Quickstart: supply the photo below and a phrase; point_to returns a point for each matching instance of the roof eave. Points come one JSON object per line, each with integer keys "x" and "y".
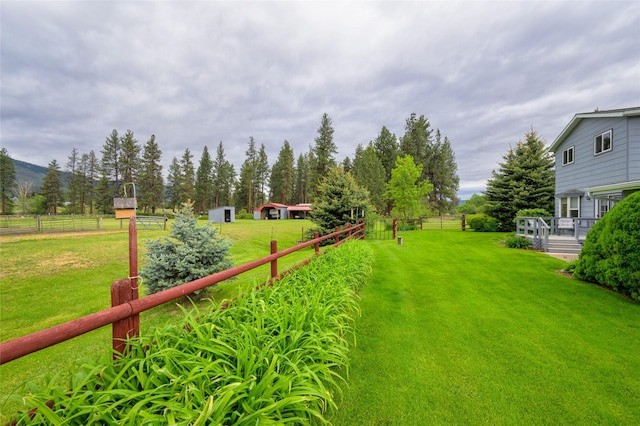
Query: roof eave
{"x": 579, "y": 117}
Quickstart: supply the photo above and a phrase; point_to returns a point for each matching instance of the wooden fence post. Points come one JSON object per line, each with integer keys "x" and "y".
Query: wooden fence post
{"x": 121, "y": 292}
{"x": 274, "y": 262}
{"x": 316, "y": 246}
{"x": 337, "y": 236}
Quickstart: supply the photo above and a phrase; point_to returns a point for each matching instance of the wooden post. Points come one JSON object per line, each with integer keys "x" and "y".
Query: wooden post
{"x": 316, "y": 246}
{"x": 463, "y": 222}
{"x": 395, "y": 228}
{"x": 133, "y": 272}
{"x": 120, "y": 293}
{"x": 274, "y": 262}
{"x": 337, "y": 236}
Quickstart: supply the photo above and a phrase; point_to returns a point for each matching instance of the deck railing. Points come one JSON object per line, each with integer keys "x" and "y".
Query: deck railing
{"x": 538, "y": 229}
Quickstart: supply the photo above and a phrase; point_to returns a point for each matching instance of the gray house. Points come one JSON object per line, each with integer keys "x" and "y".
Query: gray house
{"x": 222, "y": 214}
{"x": 597, "y": 162}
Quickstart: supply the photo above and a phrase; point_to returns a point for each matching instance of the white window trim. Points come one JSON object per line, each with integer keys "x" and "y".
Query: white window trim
{"x": 565, "y": 154}
{"x": 601, "y": 136}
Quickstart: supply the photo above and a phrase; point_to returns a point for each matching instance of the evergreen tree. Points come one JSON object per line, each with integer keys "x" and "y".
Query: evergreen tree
{"x": 387, "y": 149}
{"x": 417, "y": 141}
{"x": 129, "y": 159}
{"x": 339, "y": 201}
{"x": 347, "y": 165}
{"x": 368, "y": 173}
{"x": 223, "y": 179}
{"x": 204, "y": 182}
{"x": 248, "y": 186}
{"x": 7, "y": 181}
{"x": 111, "y": 162}
{"x": 189, "y": 252}
{"x": 525, "y": 180}
{"x": 406, "y": 188}
{"x": 301, "y": 182}
{"x": 75, "y": 182}
{"x": 282, "y": 176}
{"x": 443, "y": 175}
{"x": 188, "y": 177}
{"x": 91, "y": 177}
{"x": 104, "y": 196}
{"x": 321, "y": 155}
{"x": 151, "y": 184}
{"x": 52, "y": 187}
{"x": 175, "y": 184}
{"x": 262, "y": 175}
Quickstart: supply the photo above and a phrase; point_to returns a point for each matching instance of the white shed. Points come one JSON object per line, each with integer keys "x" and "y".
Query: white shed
{"x": 222, "y": 214}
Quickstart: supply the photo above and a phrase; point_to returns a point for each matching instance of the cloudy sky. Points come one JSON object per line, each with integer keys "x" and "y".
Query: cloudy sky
{"x": 195, "y": 73}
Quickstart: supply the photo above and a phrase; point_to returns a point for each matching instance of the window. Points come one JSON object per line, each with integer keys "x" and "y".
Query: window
{"x": 570, "y": 207}
{"x": 602, "y": 142}
{"x": 603, "y": 206}
{"x": 567, "y": 156}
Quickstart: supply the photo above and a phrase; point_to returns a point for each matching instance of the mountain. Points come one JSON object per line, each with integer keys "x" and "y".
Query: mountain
{"x": 27, "y": 172}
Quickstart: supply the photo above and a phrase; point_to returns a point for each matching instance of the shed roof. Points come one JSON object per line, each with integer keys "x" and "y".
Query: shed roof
{"x": 271, "y": 205}
{"x": 304, "y": 208}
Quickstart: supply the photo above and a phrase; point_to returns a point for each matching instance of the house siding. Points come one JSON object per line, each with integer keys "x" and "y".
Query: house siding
{"x": 634, "y": 148}
{"x": 620, "y": 164}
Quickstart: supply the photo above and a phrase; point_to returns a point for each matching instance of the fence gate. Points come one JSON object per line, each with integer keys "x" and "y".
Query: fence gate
{"x": 379, "y": 229}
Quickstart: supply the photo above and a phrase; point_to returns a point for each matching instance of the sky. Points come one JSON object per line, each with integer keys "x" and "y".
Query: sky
{"x": 196, "y": 73}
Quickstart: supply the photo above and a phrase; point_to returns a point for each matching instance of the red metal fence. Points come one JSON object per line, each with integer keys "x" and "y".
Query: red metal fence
{"x": 126, "y": 307}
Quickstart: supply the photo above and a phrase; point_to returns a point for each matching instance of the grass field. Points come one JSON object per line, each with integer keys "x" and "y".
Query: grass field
{"x": 47, "y": 279}
{"x": 457, "y": 329}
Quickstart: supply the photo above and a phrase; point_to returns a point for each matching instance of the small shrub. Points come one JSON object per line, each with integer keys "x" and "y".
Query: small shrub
{"x": 571, "y": 266}
{"x": 517, "y": 242}
{"x": 611, "y": 253}
{"x": 242, "y": 214}
{"x": 188, "y": 253}
{"x": 483, "y": 223}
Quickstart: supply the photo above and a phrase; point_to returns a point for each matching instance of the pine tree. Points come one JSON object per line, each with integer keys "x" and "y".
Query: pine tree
{"x": 223, "y": 179}
{"x": 75, "y": 183}
{"x": 321, "y": 157}
{"x": 7, "y": 181}
{"x": 129, "y": 159}
{"x": 175, "y": 193}
{"x": 111, "y": 163}
{"x": 204, "y": 182}
{"x": 262, "y": 175}
{"x": 93, "y": 169}
{"x": 525, "y": 180}
{"x": 417, "y": 141}
{"x": 443, "y": 175}
{"x": 301, "y": 182}
{"x": 151, "y": 184}
{"x": 248, "y": 186}
{"x": 189, "y": 252}
{"x": 339, "y": 201}
{"x": 52, "y": 187}
{"x": 188, "y": 177}
{"x": 282, "y": 176}
{"x": 387, "y": 149}
{"x": 368, "y": 173}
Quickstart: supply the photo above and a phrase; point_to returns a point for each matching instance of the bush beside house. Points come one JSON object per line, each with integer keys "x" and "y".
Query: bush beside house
{"x": 611, "y": 252}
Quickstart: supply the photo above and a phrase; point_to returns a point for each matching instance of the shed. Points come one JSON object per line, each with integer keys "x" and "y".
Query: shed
{"x": 271, "y": 211}
{"x": 299, "y": 211}
{"x": 222, "y": 214}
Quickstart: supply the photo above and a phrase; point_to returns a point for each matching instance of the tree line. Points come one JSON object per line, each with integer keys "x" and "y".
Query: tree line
{"x": 95, "y": 179}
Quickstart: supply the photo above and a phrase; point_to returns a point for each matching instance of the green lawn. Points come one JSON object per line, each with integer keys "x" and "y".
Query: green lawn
{"x": 456, "y": 329}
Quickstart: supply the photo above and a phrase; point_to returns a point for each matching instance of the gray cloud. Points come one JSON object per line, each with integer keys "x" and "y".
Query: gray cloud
{"x": 196, "y": 73}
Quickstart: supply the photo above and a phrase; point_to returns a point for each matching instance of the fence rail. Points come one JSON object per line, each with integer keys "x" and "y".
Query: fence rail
{"x": 125, "y": 311}
{"x": 12, "y": 225}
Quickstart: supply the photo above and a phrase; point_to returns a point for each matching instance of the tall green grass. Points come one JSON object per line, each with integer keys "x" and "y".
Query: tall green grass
{"x": 458, "y": 329}
{"x": 272, "y": 357}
